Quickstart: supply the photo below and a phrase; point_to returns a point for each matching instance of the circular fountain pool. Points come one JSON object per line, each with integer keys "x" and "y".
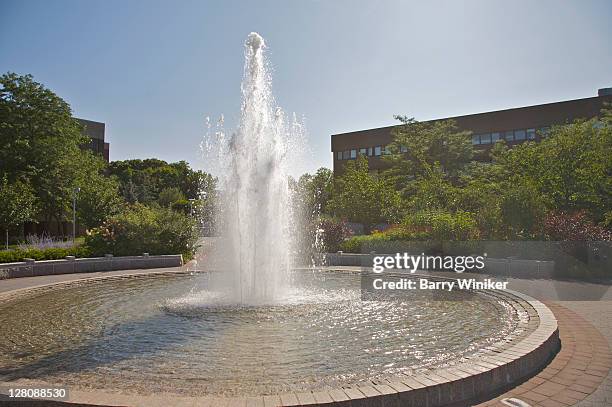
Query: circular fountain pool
{"x": 150, "y": 335}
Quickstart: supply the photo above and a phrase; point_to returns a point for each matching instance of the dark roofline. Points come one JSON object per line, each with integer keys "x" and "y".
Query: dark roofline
{"x": 470, "y": 115}
{"x": 89, "y": 121}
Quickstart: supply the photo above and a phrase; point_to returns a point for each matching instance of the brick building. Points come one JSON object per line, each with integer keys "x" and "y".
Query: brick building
{"x": 513, "y": 125}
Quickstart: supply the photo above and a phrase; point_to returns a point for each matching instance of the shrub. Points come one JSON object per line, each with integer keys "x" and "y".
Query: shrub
{"x": 390, "y": 240}
{"x": 353, "y": 245}
{"x": 334, "y": 233}
{"x": 53, "y": 253}
{"x": 44, "y": 242}
{"x": 423, "y": 231}
{"x": 141, "y": 229}
{"x": 441, "y": 225}
{"x": 574, "y": 227}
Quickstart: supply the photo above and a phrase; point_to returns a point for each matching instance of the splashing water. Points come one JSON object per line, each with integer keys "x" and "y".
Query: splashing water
{"x": 253, "y": 165}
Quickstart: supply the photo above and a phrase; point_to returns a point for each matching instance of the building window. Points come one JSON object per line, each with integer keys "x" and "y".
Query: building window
{"x": 346, "y": 155}
{"x": 485, "y": 138}
{"x": 495, "y": 137}
{"x": 475, "y": 139}
{"x": 339, "y": 155}
{"x": 363, "y": 151}
{"x": 530, "y": 134}
{"x": 370, "y": 151}
{"x": 353, "y": 154}
{"x": 544, "y": 131}
{"x": 377, "y": 150}
{"x": 509, "y": 135}
{"x": 519, "y": 134}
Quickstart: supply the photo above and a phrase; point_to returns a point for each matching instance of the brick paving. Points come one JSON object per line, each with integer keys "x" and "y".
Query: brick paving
{"x": 599, "y": 313}
{"x": 580, "y": 373}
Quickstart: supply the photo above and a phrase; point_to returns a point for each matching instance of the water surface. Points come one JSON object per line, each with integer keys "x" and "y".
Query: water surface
{"x": 170, "y": 334}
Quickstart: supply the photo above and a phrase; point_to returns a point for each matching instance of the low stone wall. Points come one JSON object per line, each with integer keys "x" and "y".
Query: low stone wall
{"x": 504, "y": 267}
{"x": 30, "y": 268}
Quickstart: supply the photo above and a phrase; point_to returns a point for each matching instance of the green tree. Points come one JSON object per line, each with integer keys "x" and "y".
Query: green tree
{"x": 170, "y": 196}
{"x": 39, "y": 142}
{"x": 418, "y": 147}
{"x": 366, "y": 198}
{"x": 571, "y": 168}
{"x": 522, "y": 211}
{"x": 312, "y": 193}
{"x": 479, "y": 191}
{"x": 431, "y": 190}
{"x": 98, "y": 200}
{"x": 143, "y": 180}
{"x": 16, "y": 206}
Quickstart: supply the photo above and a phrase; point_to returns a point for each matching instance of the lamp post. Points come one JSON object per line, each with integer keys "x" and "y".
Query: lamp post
{"x": 74, "y": 197}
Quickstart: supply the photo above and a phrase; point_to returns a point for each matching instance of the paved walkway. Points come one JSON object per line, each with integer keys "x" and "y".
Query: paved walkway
{"x": 578, "y": 375}
{"x": 598, "y": 313}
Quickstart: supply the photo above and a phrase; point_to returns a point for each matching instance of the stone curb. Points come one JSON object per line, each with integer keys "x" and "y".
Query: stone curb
{"x": 71, "y": 265}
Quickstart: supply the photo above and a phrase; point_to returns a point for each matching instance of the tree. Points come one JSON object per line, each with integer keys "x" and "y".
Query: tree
{"x": 169, "y": 196}
{"x": 39, "y": 142}
{"x": 417, "y": 147}
{"x": 143, "y": 180}
{"x": 430, "y": 191}
{"x": 98, "y": 200}
{"x": 363, "y": 197}
{"x": 16, "y": 206}
{"x": 522, "y": 211}
{"x": 312, "y": 193}
{"x": 571, "y": 168}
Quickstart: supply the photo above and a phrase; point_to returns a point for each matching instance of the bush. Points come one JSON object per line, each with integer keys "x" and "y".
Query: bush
{"x": 141, "y": 229}
{"x": 44, "y": 242}
{"x": 334, "y": 233}
{"x": 574, "y": 227}
{"x": 53, "y": 253}
{"x": 441, "y": 225}
{"x": 353, "y": 245}
{"x": 425, "y": 231}
{"x": 391, "y": 240}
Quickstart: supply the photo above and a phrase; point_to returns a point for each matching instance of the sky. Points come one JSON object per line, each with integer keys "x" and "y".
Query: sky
{"x": 153, "y": 70}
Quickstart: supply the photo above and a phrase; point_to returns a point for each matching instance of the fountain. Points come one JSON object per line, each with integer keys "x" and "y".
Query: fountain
{"x": 255, "y": 192}
{"x": 243, "y": 329}
{"x": 252, "y": 166}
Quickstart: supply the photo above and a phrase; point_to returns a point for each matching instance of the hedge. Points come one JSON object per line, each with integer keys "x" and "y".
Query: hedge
{"x": 53, "y": 253}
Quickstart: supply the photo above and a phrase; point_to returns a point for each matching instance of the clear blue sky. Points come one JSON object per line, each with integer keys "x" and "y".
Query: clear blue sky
{"x": 152, "y": 70}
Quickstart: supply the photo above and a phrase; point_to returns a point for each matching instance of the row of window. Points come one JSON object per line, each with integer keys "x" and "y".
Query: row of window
{"x": 511, "y": 135}
{"x": 367, "y": 151}
{"x": 477, "y": 139}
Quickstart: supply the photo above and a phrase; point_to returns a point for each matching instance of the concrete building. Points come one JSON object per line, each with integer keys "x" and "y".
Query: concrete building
{"x": 95, "y": 131}
{"x": 513, "y": 125}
